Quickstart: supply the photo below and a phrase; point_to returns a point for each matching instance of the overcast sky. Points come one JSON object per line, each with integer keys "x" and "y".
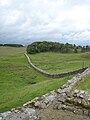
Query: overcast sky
{"x": 25, "y": 21}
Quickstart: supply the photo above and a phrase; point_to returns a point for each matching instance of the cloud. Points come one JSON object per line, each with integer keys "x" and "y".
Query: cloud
{"x": 56, "y": 20}
{"x": 4, "y": 3}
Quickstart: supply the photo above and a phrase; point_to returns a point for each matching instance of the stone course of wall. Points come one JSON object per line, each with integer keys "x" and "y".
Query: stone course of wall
{"x": 54, "y": 75}
{"x": 76, "y": 101}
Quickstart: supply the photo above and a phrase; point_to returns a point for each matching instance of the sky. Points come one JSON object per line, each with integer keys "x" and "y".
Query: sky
{"x": 26, "y": 21}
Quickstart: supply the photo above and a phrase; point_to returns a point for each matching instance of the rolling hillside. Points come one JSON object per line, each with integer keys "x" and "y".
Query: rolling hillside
{"x": 20, "y": 83}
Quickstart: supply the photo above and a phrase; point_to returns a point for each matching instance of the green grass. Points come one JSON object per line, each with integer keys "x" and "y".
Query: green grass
{"x": 58, "y": 63}
{"x": 85, "y": 84}
{"x": 20, "y": 83}
{"x": 5, "y": 51}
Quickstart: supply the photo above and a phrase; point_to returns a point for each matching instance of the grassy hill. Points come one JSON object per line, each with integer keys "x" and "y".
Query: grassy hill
{"x": 20, "y": 83}
{"x": 58, "y": 62}
{"x": 8, "y": 51}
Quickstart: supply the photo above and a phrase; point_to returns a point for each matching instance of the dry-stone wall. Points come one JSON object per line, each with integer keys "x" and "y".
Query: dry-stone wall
{"x": 63, "y": 98}
{"x": 55, "y": 75}
{"x": 77, "y": 101}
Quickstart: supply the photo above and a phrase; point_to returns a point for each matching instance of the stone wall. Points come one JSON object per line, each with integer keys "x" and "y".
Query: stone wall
{"x": 78, "y": 102}
{"x": 80, "y": 98}
{"x": 57, "y": 75}
{"x": 63, "y": 98}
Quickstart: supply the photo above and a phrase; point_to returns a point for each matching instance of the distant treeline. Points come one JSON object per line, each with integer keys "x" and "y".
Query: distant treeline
{"x": 45, "y": 46}
{"x": 12, "y": 45}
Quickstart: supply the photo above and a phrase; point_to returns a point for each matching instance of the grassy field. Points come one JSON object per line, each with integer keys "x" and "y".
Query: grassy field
{"x": 85, "y": 84}
{"x": 5, "y": 51}
{"x": 20, "y": 83}
{"x": 58, "y": 63}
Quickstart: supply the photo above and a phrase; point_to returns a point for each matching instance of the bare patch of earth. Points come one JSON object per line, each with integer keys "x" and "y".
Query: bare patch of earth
{"x": 54, "y": 114}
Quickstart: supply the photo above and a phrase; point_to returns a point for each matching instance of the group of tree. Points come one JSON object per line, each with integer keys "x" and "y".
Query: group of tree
{"x": 45, "y": 46}
{"x": 12, "y": 45}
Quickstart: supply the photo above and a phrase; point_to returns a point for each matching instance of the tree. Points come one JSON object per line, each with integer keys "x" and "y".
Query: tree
{"x": 45, "y": 46}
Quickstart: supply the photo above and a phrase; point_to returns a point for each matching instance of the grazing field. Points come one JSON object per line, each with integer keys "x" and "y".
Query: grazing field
{"x": 58, "y": 63}
{"x": 19, "y": 82}
{"x": 85, "y": 84}
{"x": 5, "y": 51}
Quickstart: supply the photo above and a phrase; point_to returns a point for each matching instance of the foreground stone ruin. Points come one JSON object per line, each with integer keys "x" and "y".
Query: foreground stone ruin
{"x": 65, "y": 98}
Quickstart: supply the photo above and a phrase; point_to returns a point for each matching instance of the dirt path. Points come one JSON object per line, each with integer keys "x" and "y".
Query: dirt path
{"x": 53, "y": 114}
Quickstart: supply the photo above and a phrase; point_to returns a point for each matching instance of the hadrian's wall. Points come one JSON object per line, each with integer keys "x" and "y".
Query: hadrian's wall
{"x": 55, "y": 75}
{"x": 76, "y": 101}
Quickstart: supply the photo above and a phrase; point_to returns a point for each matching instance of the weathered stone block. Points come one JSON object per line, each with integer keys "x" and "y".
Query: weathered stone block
{"x": 0, "y": 118}
{"x": 5, "y": 114}
{"x": 40, "y": 105}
